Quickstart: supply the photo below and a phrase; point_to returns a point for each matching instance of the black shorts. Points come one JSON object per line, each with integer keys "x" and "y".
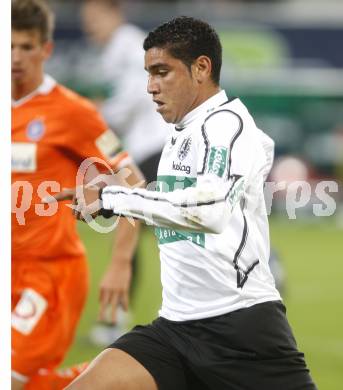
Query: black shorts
{"x": 248, "y": 349}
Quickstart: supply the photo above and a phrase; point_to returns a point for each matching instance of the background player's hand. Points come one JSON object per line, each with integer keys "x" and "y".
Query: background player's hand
{"x": 85, "y": 201}
{"x": 65, "y": 194}
{"x": 114, "y": 290}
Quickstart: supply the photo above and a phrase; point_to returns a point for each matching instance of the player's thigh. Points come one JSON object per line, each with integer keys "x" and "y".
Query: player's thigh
{"x": 46, "y": 305}
{"x": 114, "y": 369}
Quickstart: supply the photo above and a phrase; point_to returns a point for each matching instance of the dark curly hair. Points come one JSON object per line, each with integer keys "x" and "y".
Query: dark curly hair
{"x": 33, "y": 15}
{"x": 186, "y": 39}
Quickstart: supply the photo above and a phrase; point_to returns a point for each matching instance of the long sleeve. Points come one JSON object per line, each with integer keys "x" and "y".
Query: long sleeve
{"x": 205, "y": 207}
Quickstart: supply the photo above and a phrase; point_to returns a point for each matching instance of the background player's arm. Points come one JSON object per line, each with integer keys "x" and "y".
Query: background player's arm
{"x": 94, "y": 140}
{"x": 115, "y": 283}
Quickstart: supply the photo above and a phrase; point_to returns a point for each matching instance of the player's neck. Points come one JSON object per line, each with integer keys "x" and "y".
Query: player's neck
{"x": 209, "y": 92}
{"x": 205, "y": 94}
{"x": 22, "y": 89}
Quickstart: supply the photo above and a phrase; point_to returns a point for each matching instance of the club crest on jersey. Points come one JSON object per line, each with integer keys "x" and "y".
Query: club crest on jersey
{"x": 35, "y": 130}
{"x": 184, "y": 148}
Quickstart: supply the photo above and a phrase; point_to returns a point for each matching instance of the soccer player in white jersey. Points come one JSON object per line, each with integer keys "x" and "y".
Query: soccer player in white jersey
{"x": 222, "y": 325}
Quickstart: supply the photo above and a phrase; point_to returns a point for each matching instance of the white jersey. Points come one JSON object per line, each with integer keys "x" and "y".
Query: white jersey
{"x": 129, "y": 110}
{"x": 210, "y": 211}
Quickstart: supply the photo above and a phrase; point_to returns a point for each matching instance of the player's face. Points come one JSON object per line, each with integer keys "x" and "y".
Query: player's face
{"x": 28, "y": 55}
{"x": 172, "y": 85}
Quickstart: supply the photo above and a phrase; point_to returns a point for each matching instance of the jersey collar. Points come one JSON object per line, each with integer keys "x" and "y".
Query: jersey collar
{"x": 209, "y": 105}
{"x": 45, "y": 88}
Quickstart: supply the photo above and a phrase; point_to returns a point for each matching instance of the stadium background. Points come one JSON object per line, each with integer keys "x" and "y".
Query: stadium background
{"x": 285, "y": 60}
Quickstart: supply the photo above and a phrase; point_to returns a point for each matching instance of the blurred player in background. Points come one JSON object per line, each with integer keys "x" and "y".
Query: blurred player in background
{"x": 53, "y": 131}
{"x": 128, "y": 110}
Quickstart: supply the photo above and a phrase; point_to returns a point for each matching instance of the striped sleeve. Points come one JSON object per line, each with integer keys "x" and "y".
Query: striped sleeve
{"x": 200, "y": 208}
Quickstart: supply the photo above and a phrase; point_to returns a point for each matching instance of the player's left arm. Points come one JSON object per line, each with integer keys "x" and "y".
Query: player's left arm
{"x": 115, "y": 283}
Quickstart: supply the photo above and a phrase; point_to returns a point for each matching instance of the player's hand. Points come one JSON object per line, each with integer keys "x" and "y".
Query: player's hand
{"x": 85, "y": 201}
{"x": 65, "y": 194}
{"x": 114, "y": 290}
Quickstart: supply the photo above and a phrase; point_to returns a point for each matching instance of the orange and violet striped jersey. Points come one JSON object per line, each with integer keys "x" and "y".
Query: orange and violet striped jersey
{"x": 53, "y": 131}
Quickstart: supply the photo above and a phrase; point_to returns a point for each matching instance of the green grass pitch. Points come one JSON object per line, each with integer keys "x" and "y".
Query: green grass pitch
{"x": 312, "y": 254}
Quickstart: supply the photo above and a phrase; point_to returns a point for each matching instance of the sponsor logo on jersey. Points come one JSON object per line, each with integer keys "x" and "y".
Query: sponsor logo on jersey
{"x": 184, "y": 148}
{"x": 165, "y": 235}
{"x": 108, "y": 144}
{"x": 168, "y": 183}
{"x": 236, "y": 192}
{"x": 217, "y": 160}
{"x": 24, "y": 157}
{"x": 28, "y": 311}
{"x": 35, "y": 130}
{"x": 168, "y": 236}
{"x": 181, "y": 168}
